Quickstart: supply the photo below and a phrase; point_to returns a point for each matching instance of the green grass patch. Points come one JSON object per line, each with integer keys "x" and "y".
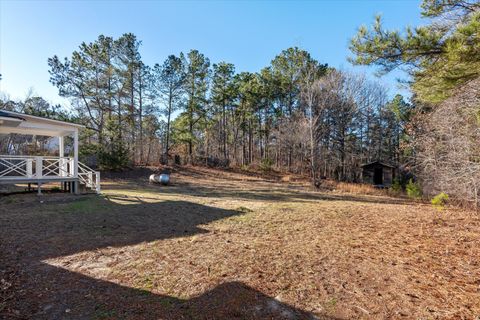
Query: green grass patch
{"x": 93, "y": 204}
{"x": 101, "y": 312}
{"x": 167, "y": 302}
{"x": 9, "y": 200}
{"x": 331, "y": 304}
{"x": 243, "y": 209}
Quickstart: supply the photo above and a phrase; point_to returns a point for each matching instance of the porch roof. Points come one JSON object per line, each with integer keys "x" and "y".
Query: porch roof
{"x": 15, "y": 122}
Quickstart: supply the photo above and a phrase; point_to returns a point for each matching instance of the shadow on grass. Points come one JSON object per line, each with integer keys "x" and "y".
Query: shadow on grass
{"x": 32, "y": 289}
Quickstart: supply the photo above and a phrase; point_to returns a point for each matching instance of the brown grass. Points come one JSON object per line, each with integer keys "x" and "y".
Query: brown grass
{"x": 357, "y": 188}
{"x": 222, "y": 245}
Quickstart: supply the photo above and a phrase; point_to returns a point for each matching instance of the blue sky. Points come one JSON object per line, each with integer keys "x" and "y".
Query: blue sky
{"x": 246, "y": 33}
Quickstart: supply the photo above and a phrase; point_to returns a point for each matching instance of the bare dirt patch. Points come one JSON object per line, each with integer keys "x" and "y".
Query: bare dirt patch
{"x": 223, "y": 245}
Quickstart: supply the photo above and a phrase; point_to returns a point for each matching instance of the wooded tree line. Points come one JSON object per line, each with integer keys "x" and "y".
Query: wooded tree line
{"x": 296, "y": 114}
{"x": 443, "y": 60}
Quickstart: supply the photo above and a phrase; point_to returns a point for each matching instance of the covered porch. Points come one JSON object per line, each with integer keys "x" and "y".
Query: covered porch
{"x": 67, "y": 170}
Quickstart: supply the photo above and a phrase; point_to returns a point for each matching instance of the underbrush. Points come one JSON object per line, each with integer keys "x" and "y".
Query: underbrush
{"x": 358, "y": 188}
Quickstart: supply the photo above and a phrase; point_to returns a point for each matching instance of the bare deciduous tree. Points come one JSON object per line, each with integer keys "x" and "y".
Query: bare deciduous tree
{"x": 447, "y": 149}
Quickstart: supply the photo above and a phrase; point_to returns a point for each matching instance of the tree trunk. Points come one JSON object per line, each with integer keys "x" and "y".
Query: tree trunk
{"x": 169, "y": 113}
{"x": 140, "y": 117}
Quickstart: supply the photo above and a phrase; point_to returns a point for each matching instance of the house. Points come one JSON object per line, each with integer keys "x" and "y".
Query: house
{"x": 378, "y": 173}
{"x": 68, "y": 171}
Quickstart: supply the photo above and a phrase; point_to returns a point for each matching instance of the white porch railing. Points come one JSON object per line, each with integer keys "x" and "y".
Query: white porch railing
{"x": 14, "y": 166}
{"x": 89, "y": 177}
{"x": 40, "y": 167}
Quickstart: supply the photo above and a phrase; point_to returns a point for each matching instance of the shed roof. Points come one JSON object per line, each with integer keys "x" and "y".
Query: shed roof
{"x": 377, "y": 163}
{"x": 15, "y": 122}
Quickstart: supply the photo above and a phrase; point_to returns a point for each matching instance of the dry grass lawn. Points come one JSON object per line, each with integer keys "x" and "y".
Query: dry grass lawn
{"x": 217, "y": 245}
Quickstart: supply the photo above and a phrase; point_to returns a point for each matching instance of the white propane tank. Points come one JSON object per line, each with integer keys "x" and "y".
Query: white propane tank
{"x": 152, "y": 178}
{"x": 160, "y": 178}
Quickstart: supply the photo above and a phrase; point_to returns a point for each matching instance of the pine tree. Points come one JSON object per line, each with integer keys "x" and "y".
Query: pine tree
{"x": 222, "y": 95}
{"x": 196, "y": 86}
{"x": 440, "y": 56}
{"x": 169, "y": 85}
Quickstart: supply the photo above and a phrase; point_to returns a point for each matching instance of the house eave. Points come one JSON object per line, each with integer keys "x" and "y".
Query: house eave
{"x": 19, "y": 123}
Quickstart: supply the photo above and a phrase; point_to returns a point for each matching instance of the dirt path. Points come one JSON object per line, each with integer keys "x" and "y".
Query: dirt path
{"x": 217, "y": 245}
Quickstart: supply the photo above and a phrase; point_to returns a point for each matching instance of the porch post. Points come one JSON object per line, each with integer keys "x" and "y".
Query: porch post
{"x": 61, "y": 150}
{"x": 75, "y": 159}
{"x": 61, "y": 153}
{"x": 38, "y": 167}
{"x": 29, "y": 167}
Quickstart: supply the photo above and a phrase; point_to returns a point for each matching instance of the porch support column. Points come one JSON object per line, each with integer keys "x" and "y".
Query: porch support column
{"x": 75, "y": 159}
{"x": 61, "y": 153}
{"x": 61, "y": 146}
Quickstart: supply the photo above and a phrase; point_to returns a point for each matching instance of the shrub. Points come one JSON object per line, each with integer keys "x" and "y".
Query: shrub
{"x": 413, "y": 190}
{"x": 266, "y": 164}
{"x": 115, "y": 159}
{"x": 114, "y": 156}
{"x": 439, "y": 201}
{"x": 396, "y": 186}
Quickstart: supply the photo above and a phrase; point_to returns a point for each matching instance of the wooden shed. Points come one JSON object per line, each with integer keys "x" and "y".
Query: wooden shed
{"x": 378, "y": 173}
